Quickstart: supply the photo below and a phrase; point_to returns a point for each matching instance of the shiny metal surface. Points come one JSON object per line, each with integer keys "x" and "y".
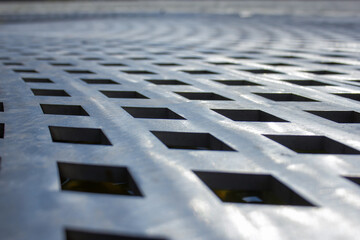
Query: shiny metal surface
{"x": 105, "y": 69}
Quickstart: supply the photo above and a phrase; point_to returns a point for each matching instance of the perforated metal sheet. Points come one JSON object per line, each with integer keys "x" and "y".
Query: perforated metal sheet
{"x": 235, "y": 62}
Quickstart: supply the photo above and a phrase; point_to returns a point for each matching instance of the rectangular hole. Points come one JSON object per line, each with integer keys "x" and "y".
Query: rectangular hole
{"x": 156, "y": 113}
{"x": 123, "y": 94}
{"x": 312, "y": 144}
{"x": 203, "y": 96}
{"x": 353, "y": 179}
{"x": 2, "y": 130}
{"x": 261, "y": 71}
{"x": 98, "y": 81}
{"x": 78, "y": 135}
{"x": 1, "y": 107}
{"x": 223, "y": 63}
{"x": 13, "y": 64}
{"x": 166, "y": 82}
{"x": 79, "y": 72}
{"x": 285, "y": 97}
{"x": 242, "y": 57}
{"x": 338, "y": 116}
{"x": 279, "y": 64}
{"x": 352, "y": 96}
{"x": 58, "y": 109}
{"x": 329, "y": 63}
{"x": 167, "y": 64}
{"x": 138, "y": 72}
{"x": 50, "y": 92}
{"x": 288, "y": 57}
{"x": 199, "y": 72}
{"x": 323, "y": 72}
{"x": 237, "y": 83}
{"x": 37, "y": 80}
{"x": 61, "y": 64}
{"x": 72, "y": 234}
{"x": 97, "y": 179}
{"x": 308, "y": 83}
{"x": 25, "y": 71}
{"x": 248, "y": 115}
{"x": 113, "y": 64}
{"x": 250, "y": 189}
{"x": 191, "y": 141}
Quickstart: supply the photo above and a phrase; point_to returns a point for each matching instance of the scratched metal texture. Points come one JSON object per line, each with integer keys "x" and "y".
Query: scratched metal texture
{"x": 176, "y": 204}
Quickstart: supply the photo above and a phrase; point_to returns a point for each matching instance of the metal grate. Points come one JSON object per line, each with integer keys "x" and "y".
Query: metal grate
{"x": 222, "y": 127}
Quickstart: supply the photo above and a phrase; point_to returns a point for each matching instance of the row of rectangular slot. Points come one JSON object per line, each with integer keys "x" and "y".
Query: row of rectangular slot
{"x": 230, "y": 187}
{"x": 248, "y": 115}
{"x": 312, "y": 144}
{"x": 192, "y": 72}
{"x": 205, "y": 96}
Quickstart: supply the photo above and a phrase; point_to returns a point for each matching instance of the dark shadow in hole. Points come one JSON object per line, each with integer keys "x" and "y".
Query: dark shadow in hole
{"x": 78, "y": 135}
{"x": 312, "y": 144}
{"x": 191, "y": 141}
{"x": 248, "y": 115}
{"x": 155, "y": 113}
{"x": 251, "y": 189}
{"x": 97, "y": 179}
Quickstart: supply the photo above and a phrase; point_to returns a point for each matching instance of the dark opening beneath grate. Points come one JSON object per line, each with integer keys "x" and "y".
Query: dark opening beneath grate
{"x": 113, "y": 64}
{"x": 147, "y": 112}
{"x": 280, "y": 64}
{"x": 251, "y": 189}
{"x": 37, "y": 80}
{"x": 13, "y": 63}
{"x": 98, "y": 81}
{"x": 61, "y": 64}
{"x": 323, "y": 72}
{"x": 288, "y": 57}
{"x": 166, "y": 82}
{"x": 191, "y": 141}
{"x": 237, "y": 83}
{"x": 248, "y": 115}
{"x": 312, "y": 144}
{"x": 203, "y": 96}
{"x": 353, "y": 96}
{"x": 97, "y": 179}
{"x": 123, "y": 94}
{"x": 138, "y": 72}
{"x": 355, "y": 180}
{"x": 2, "y": 130}
{"x": 223, "y": 63}
{"x": 338, "y": 116}
{"x": 50, "y": 92}
{"x": 58, "y": 109}
{"x": 72, "y": 234}
{"x": 198, "y": 72}
{"x": 308, "y": 83}
{"x": 168, "y": 64}
{"x": 261, "y": 71}
{"x": 285, "y": 97}
{"x": 25, "y": 71}
{"x": 79, "y": 71}
{"x": 331, "y": 63}
{"x": 78, "y": 135}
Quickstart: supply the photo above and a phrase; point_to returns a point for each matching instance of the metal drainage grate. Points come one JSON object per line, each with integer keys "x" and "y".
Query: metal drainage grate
{"x": 180, "y": 127}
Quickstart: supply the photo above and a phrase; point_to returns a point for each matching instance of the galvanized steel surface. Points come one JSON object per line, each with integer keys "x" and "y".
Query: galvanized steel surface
{"x": 261, "y": 52}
